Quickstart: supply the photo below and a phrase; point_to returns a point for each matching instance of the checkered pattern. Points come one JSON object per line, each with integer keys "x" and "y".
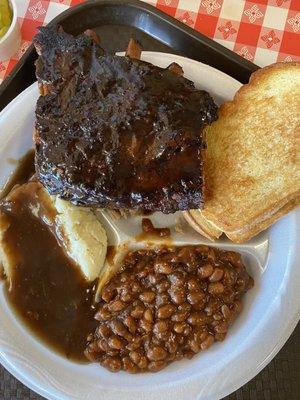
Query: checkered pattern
{"x": 263, "y": 31}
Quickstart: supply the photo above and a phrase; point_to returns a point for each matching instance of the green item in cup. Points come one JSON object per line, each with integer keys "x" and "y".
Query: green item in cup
{"x": 5, "y": 17}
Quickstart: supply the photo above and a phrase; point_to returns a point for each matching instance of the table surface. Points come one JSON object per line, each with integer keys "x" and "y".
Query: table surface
{"x": 263, "y": 31}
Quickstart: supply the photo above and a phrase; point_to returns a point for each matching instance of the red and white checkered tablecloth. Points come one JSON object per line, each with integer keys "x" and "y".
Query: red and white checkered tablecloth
{"x": 263, "y": 31}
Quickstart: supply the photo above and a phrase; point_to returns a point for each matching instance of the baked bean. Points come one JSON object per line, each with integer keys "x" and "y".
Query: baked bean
{"x": 198, "y": 318}
{"x": 142, "y": 364}
{"x": 203, "y": 336}
{"x": 172, "y": 346}
{"x": 148, "y": 315}
{"x": 189, "y": 354}
{"x": 214, "y": 323}
{"x": 156, "y": 366}
{"x": 115, "y": 343}
{"x": 118, "y": 328}
{"x": 160, "y": 327}
{"x": 229, "y": 277}
{"x": 103, "y": 345}
{"x": 178, "y": 296}
{"x": 124, "y": 277}
{"x": 116, "y": 305}
{"x": 165, "y": 311}
{"x": 184, "y": 307}
{"x": 217, "y": 316}
{"x": 233, "y": 258}
{"x": 180, "y": 316}
{"x": 195, "y": 297}
{"x": 137, "y": 311}
{"x": 112, "y": 352}
{"x": 179, "y": 327}
{"x": 103, "y": 330}
{"x": 142, "y": 274}
{"x": 156, "y": 353}
{"x": 129, "y": 365}
{"x": 217, "y": 275}
{"x": 221, "y": 327}
{"x": 128, "y": 336}
{"x": 211, "y": 255}
{"x": 194, "y": 346}
{"x": 162, "y": 298}
{"x": 166, "y": 304}
{"x": 108, "y": 293}
{"x": 193, "y": 284}
{"x": 136, "y": 287}
{"x": 177, "y": 279}
{"x": 145, "y": 325}
{"x": 226, "y": 311}
{"x": 130, "y": 323}
{"x": 126, "y": 296}
{"x": 220, "y": 337}
{"x": 216, "y": 288}
{"x": 138, "y": 359}
{"x": 163, "y": 286}
{"x": 102, "y": 315}
{"x": 153, "y": 279}
{"x": 92, "y": 352}
{"x": 147, "y": 297}
{"x": 206, "y": 270}
{"x": 90, "y": 336}
{"x": 207, "y": 342}
{"x": 135, "y": 356}
{"x": 209, "y": 310}
{"x": 187, "y": 330}
{"x": 237, "y": 307}
{"x": 163, "y": 267}
{"x": 112, "y": 363}
{"x": 135, "y": 343}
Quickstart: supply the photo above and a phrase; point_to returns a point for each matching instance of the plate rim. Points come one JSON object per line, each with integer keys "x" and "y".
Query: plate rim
{"x": 246, "y": 377}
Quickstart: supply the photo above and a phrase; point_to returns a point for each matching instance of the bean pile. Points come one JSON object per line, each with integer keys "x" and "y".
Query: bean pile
{"x": 166, "y": 304}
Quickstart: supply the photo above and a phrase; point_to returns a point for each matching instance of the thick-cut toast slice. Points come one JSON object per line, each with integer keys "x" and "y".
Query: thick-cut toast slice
{"x": 206, "y": 228}
{"x": 252, "y": 156}
{"x": 250, "y": 231}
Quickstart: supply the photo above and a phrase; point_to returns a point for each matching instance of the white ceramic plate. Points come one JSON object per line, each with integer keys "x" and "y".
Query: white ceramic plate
{"x": 271, "y": 311}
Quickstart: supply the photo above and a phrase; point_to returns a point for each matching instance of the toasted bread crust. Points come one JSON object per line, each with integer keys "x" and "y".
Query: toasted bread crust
{"x": 210, "y": 231}
{"x": 201, "y": 225}
{"x": 252, "y": 161}
{"x": 244, "y": 236}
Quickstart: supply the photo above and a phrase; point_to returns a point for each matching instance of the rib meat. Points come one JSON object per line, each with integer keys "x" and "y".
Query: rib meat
{"x": 117, "y": 132}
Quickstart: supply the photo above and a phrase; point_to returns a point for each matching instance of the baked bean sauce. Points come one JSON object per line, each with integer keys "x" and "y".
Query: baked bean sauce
{"x": 150, "y": 232}
{"x": 46, "y": 290}
{"x": 110, "y": 254}
{"x": 166, "y": 304}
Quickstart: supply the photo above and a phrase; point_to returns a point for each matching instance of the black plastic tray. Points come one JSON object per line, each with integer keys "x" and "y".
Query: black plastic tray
{"x": 116, "y": 21}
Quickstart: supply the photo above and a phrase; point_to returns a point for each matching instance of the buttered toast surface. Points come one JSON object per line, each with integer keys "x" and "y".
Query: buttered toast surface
{"x": 252, "y": 155}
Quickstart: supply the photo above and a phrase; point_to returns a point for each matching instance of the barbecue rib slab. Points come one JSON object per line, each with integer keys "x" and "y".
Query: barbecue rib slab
{"x": 116, "y": 132}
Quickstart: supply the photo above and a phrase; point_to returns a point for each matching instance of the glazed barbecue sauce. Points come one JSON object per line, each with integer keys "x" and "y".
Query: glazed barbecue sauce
{"x": 46, "y": 290}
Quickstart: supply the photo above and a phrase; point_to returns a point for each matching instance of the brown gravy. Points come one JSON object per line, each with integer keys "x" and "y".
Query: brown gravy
{"x": 25, "y": 169}
{"x": 46, "y": 290}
